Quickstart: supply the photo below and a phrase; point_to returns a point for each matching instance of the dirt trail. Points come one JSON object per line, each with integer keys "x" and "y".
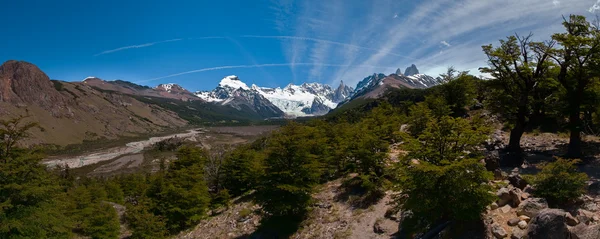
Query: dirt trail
{"x": 112, "y": 153}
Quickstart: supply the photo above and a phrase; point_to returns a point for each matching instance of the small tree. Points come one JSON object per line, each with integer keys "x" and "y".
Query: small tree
{"x": 291, "y": 170}
{"x": 441, "y": 178}
{"x": 560, "y": 182}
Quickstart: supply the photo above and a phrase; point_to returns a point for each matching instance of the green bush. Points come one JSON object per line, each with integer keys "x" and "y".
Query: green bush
{"x": 560, "y": 182}
{"x": 441, "y": 178}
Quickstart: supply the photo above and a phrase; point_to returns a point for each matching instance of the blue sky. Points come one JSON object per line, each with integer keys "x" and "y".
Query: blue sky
{"x": 268, "y": 43}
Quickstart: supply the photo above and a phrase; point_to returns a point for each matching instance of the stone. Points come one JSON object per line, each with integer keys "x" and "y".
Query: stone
{"x": 590, "y": 206}
{"x": 498, "y": 174}
{"x": 584, "y": 216}
{"x": 524, "y": 195}
{"x": 492, "y": 161}
{"x": 524, "y": 218}
{"x": 583, "y": 231}
{"x": 517, "y": 181}
{"x": 522, "y": 224}
{"x": 377, "y": 228}
{"x": 503, "y": 196}
{"x": 548, "y": 224}
{"x": 594, "y": 188}
{"x": 498, "y": 231}
{"x": 505, "y": 209}
{"x": 595, "y": 218}
{"x": 571, "y": 220}
{"x": 494, "y": 206}
{"x": 528, "y": 189}
{"x": 515, "y": 197}
{"x": 531, "y": 207}
{"x": 513, "y": 221}
{"x": 518, "y": 234}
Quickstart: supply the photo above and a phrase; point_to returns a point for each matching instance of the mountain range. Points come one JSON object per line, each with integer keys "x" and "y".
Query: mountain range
{"x": 94, "y": 109}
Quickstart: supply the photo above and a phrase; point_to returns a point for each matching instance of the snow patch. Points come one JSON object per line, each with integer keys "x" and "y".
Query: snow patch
{"x": 233, "y": 82}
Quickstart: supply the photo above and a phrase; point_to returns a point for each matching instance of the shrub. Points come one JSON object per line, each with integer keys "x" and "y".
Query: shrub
{"x": 559, "y": 182}
{"x": 441, "y": 178}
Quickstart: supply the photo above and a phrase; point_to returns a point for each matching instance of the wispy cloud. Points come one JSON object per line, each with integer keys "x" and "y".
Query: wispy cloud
{"x": 153, "y": 43}
{"x": 595, "y": 7}
{"x": 258, "y": 66}
{"x": 445, "y": 43}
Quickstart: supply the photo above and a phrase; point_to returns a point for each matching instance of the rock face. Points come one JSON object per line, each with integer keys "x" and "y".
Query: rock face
{"x": 411, "y": 70}
{"x": 548, "y": 224}
{"x": 531, "y": 207}
{"x": 24, "y": 83}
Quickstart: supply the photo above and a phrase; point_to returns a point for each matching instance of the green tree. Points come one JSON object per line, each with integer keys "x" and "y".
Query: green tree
{"x": 292, "y": 168}
{"x": 579, "y": 60}
{"x": 183, "y": 196}
{"x": 31, "y": 203}
{"x": 517, "y": 65}
{"x": 143, "y": 223}
{"x": 242, "y": 169}
{"x": 560, "y": 182}
{"x": 441, "y": 177}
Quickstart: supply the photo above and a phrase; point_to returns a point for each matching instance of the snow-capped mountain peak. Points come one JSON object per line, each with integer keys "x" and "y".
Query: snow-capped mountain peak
{"x": 234, "y": 82}
{"x": 166, "y": 87}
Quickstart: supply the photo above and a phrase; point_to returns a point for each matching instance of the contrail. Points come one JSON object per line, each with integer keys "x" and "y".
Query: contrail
{"x": 259, "y": 65}
{"x": 152, "y": 43}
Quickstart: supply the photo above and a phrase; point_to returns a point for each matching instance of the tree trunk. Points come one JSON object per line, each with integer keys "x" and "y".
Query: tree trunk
{"x": 574, "y": 149}
{"x": 514, "y": 145}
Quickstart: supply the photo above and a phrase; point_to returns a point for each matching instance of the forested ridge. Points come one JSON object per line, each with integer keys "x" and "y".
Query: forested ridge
{"x": 549, "y": 86}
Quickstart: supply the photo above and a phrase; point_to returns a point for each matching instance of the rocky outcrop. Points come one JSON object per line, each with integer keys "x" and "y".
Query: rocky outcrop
{"x": 23, "y": 83}
{"x": 531, "y": 207}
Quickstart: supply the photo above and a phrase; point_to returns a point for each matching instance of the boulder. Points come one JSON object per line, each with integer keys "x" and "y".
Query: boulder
{"x": 582, "y": 231}
{"x": 505, "y": 209}
{"x": 548, "y": 224}
{"x": 503, "y": 196}
{"x": 594, "y": 188}
{"x": 377, "y": 228}
{"x": 515, "y": 197}
{"x": 492, "y": 160}
{"x": 513, "y": 221}
{"x": 517, "y": 181}
{"x": 498, "y": 174}
{"x": 518, "y": 234}
{"x": 494, "y": 206}
{"x": 498, "y": 231}
{"x": 531, "y": 207}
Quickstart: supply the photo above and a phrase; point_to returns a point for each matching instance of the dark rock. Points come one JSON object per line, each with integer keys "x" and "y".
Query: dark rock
{"x": 531, "y": 207}
{"x": 498, "y": 174}
{"x": 594, "y": 188}
{"x": 492, "y": 160}
{"x": 517, "y": 181}
{"x": 512, "y": 159}
{"x": 548, "y": 224}
{"x": 411, "y": 70}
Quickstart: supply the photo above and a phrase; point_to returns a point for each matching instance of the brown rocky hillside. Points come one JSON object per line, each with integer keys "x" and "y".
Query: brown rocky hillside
{"x": 71, "y": 112}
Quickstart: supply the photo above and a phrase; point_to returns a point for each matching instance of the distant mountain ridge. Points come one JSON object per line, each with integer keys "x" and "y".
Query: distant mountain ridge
{"x": 308, "y": 99}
